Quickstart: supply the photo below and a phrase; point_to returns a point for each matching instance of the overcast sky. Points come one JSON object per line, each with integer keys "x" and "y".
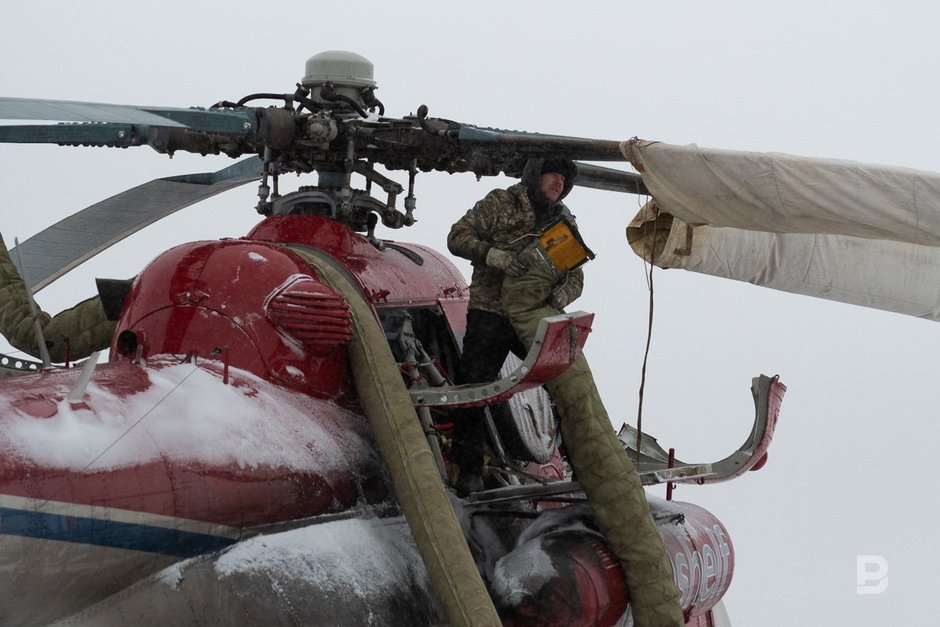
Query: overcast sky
{"x": 850, "y": 469}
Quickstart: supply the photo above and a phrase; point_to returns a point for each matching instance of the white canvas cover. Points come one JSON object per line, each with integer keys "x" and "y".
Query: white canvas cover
{"x": 841, "y": 230}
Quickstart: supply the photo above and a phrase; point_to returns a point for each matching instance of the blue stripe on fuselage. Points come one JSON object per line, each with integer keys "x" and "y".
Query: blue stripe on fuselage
{"x": 102, "y": 532}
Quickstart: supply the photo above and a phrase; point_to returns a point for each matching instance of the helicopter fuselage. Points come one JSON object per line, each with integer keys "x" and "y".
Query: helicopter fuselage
{"x": 226, "y": 414}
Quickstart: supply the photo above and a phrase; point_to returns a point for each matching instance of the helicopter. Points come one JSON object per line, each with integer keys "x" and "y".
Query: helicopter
{"x": 199, "y": 473}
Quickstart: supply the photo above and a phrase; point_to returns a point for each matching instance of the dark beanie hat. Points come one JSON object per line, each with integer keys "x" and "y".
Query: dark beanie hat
{"x": 559, "y": 166}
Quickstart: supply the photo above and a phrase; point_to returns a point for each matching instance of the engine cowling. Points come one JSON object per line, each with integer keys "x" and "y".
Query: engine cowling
{"x": 562, "y": 568}
{"x": 253, "y": 305}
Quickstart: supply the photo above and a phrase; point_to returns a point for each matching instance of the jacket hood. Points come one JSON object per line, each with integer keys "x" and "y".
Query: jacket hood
{"x": 534, "y": 168}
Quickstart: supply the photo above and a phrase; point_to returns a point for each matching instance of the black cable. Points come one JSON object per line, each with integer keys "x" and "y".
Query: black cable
{"x": 646, "y": 353}
{"x": 285, "y": 97}
{"x": 328, "y": 92}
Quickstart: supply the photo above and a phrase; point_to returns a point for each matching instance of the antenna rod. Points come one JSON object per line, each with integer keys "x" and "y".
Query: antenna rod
{"x": 77, "y": 394}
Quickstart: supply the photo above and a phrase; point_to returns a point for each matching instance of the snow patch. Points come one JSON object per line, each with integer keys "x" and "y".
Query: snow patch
{"x": 171, "y": 576}
{"x": 295, "y": 372}
{"x": 522, "y": 572}
{"x": 367, "y": 556}
{"x": 295, "y": 347}
{"x": 186, "y": 414}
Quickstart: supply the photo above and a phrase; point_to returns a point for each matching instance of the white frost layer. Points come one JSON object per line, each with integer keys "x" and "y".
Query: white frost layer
{"x": 366, "y": 556}
{"x": 187, "y": 414}
{"x": 522, "y": 572}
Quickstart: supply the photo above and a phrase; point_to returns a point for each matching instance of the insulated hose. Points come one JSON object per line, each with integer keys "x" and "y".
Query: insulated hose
{"x": 608, "y": 477}
{"x": 404, "y": 448}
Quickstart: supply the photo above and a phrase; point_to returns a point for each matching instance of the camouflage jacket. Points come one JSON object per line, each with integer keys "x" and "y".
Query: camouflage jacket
{"x": 503, "y": 219}
{"x": 74, "y": 333}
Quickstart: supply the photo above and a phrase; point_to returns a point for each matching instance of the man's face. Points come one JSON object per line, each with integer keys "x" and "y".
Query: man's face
{"x": 552, "y": 185}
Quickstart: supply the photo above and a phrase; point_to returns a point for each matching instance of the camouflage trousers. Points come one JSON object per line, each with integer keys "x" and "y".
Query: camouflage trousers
{"x": 607, "y": 475}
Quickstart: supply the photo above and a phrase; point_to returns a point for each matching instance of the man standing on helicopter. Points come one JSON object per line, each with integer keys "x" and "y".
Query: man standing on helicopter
{"x": 491, "y": 235}
{"x": 514, "y": 285}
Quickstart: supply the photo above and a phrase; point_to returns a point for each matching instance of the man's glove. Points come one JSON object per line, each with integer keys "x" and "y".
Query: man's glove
{"x": 564, "y": 293}
{"x": 557, "y": 299}
{"x": 506, "y": 261}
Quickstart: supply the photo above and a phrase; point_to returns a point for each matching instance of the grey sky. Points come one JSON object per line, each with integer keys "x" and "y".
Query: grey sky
{"x": 850, "y": 467}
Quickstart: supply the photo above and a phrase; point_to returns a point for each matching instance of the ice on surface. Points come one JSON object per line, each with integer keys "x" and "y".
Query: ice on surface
{"x": 366, "y": 555}
{"x": 186, "y": 414}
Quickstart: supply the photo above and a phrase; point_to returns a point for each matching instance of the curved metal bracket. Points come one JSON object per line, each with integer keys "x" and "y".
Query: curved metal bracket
{"x": 654, "y": 461}
{"x": 558, "y": 341}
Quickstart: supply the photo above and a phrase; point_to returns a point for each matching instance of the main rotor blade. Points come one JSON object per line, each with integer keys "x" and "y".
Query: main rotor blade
{"x": 840, "y": 230}
{"x": 70, "y": 242}
{"x": 609, "y": 179}
{"x": 110, "y": 124}
{"x": 75, "y": 111}
{"x": 572, "y": 147}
